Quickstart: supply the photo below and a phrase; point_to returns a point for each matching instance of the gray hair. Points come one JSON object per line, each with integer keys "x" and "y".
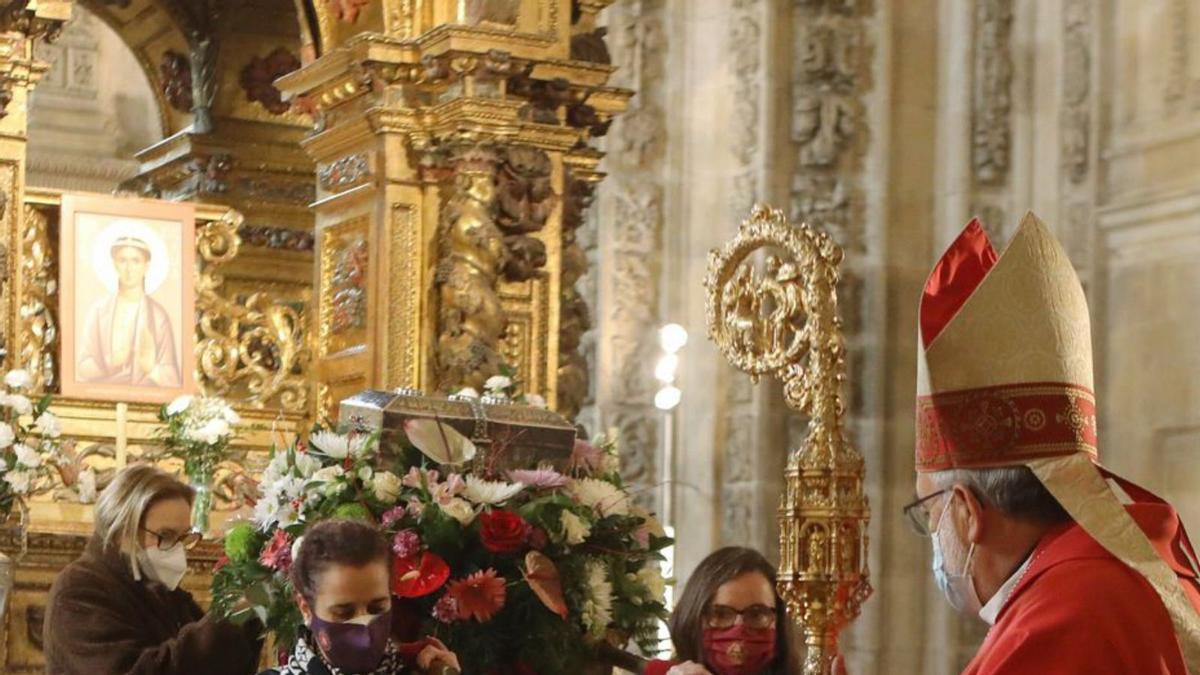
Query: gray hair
{"x": 123, "y": 504}
{"x": 1013, "y": 490}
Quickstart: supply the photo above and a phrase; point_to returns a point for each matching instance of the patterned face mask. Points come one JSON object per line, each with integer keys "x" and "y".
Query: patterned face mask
{"x": 354, "y": 646}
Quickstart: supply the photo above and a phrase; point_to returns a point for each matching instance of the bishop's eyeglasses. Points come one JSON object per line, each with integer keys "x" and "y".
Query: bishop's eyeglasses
{"x": 917, "y": 513}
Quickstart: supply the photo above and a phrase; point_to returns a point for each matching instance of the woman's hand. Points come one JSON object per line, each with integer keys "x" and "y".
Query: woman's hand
{"x": 436, "y": 653}
{"x": 688, "y": 668}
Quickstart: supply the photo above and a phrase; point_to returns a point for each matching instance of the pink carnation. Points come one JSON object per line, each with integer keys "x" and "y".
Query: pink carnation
{"x": 406, "y": 544}
{"x": 446, "y": 609}
{"x": 393, "y": 516}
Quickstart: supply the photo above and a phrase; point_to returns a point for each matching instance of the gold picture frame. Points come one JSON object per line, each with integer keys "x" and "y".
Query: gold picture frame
{"x": 128, "y": 302}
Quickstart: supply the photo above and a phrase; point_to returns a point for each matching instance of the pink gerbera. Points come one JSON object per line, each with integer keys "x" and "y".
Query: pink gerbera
{"x": 277, "y": 554}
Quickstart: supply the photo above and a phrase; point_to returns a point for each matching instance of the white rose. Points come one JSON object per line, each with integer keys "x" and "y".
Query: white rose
{"x": 27, "y": 456}
{"x": 20, "y": 404}
{"x": 327, "y": 474}
{"x": 48, "y": 426}
{"x": 386, "y": 486}
{"x": 19, "y": 481}
{"x": 87, "y": 486}
{"x": 497, "y": 384}
{"x": 179, "y": 405}
{"x": 535, "y": 401}
{"x": 6, "y": 435}
{"x": 460, "y": 510}
{"x": 365, "y": 473}
{"x": 17, "y": 379}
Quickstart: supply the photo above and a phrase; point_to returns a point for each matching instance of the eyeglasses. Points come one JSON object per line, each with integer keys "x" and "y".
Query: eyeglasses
{"x": 917, "y": 513}
{"x": 167, "y": 540}
{"x": 754, "y": 616}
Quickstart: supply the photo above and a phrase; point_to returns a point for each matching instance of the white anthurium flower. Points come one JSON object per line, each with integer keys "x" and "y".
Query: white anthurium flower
{"x": 6, "y": 435}
{"x": 87, "y": 486}
{"x": 338, "y": 446}
{"x": 459, "y": 509}
{"x": 27, "y": 456}
{"x": 19, "y": 481}
{"x": 490, "y": 492}
{"x": 48, "y": 425}
{"x": 20, "y": 404}
{"x": 386, "y": 486}
{"x": 498, "y": 384}
{"x": 18, "y": 379}
{"x": 179, "y": 404}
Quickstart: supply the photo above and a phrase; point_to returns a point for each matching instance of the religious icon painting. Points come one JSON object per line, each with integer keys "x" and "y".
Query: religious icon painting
{"x": 127, "y": 298}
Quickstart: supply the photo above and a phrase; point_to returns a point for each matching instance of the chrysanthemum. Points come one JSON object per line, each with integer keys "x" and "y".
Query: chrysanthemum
{"x": 479, "y": 596}
{"x": 542, "y": 478}
{"x": 339, "y": 446}
{"x": 492, "y": 492}
{"x": 597, "y": 604}
{"x": 607, "y": 499}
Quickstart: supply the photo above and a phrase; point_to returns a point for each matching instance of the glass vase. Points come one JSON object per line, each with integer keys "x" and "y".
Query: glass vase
{"x": 201, "y": 506}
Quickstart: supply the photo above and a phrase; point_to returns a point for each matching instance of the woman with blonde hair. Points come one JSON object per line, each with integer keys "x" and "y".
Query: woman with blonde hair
{"x": 119, "y": 608}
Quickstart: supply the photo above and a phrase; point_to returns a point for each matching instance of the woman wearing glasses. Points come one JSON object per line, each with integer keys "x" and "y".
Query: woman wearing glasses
{"x": 730, "y": 621}
{"x": 119, "y": 608}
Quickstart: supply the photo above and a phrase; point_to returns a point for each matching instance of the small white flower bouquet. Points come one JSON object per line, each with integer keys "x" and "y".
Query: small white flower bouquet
{"x": 198, "y": 430}
{"x": 30, "y": 444}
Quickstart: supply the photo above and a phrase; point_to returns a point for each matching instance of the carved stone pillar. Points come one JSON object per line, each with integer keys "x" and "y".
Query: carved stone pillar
{"x": 21, "y": 24}
{"x": 448, "y": 139}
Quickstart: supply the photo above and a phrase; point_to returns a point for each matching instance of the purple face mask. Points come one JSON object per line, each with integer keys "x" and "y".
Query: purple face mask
{"x": 355, "y": 646}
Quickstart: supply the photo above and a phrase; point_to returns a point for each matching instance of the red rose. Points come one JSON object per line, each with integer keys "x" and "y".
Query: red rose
{"x": 503, "y": 531}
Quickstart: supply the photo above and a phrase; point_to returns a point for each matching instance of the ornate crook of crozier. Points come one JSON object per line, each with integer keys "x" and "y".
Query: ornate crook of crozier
{"x": 780, "y": 318}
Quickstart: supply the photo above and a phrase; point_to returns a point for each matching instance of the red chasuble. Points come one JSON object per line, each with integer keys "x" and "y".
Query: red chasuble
{"x": 1080, "y": 610}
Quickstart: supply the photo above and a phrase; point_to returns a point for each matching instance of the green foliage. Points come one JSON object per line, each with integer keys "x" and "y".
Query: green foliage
{"x": 243, "y": 542}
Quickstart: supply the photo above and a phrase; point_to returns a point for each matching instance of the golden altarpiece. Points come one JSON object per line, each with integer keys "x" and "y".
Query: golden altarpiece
{"x": 387, "y": 195}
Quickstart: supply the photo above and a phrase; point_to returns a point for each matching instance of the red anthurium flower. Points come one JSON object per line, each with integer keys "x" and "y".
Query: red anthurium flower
{"x": 419, "y": 575}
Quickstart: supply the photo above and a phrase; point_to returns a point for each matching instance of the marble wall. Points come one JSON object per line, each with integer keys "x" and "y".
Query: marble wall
{"x": 892, "y": 123}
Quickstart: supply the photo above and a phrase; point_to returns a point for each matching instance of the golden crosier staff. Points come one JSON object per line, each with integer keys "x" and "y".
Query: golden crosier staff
{"x": 781, "y": 320}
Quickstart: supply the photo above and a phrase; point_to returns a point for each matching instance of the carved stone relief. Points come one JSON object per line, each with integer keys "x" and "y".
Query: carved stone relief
{"x": 1077, "y": 76}
{"x": 991, "y": 98}
{"x": 176, "y": 73}
{"x": 258, "y": 79}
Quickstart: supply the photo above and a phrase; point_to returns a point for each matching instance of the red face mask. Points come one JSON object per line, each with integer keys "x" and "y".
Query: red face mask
{"x": 738, "y": 650}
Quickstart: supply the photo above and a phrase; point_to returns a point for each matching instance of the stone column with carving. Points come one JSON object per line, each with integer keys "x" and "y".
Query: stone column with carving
{"x": 22, "y": 23}
{"x": 449, "y": 146}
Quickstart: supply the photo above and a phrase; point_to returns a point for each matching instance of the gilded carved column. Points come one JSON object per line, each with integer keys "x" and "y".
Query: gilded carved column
{"x": 445, "y": 136}
{"x": 21, "y": 24}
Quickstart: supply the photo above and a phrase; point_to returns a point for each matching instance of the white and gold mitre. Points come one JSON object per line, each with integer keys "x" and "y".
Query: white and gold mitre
{"x": 1004, "y": 377}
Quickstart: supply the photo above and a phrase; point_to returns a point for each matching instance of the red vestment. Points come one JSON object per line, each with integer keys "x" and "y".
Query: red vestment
{"x": 1080, "y": 610}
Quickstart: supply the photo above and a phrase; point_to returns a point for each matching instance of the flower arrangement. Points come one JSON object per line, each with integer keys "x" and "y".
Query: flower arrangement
{"x": 503, "y": 387}
{"x": 198, "y": 430}
{"x": 29, "y": 453}
{"x": 498, "y": 565}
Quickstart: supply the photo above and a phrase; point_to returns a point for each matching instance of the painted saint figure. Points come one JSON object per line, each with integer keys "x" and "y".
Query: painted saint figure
{"x": 128, "y": 338}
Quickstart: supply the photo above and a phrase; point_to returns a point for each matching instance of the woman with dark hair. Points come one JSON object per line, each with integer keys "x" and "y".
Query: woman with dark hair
{"x": 730, "y": 620}
{"x": 342, "y": 579}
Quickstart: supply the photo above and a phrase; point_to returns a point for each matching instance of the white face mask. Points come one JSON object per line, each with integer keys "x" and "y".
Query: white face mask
{"x": 958, "y": 588}
{"x": 166, "y": 567}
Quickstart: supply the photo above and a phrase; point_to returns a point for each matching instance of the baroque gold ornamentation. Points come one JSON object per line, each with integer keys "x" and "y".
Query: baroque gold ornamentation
{"x": 254, "y": 351}
{"x": 39, "y": 299}
{"x": 470, "y": 318}
{"x": 574, "y": 319}
{"x": 781, "y": 320}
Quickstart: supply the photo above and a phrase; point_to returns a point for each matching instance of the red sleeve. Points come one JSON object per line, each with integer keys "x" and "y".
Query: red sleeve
{"x": 657, "y": 667}
{"x": 1082, "y": 617}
